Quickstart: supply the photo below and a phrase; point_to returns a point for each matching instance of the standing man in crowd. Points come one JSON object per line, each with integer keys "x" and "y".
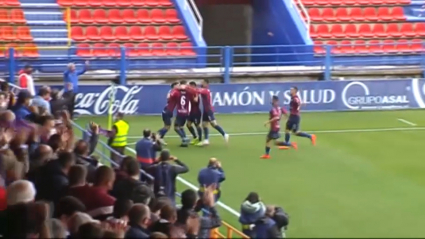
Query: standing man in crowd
{"x": 144, "y": 150}
{"x": 42, "y": 99}
{"x": 213, "y": 174}
{"x": 70, "y": 77}
{"x": 118, "y": 137}
{"x": 25, "y": 79}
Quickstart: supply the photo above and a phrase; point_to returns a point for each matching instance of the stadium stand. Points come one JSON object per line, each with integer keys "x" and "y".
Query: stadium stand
{"x": 360, "y": 26}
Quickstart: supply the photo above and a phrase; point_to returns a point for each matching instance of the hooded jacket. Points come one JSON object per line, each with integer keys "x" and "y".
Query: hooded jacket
{"x": 250, "y": 213}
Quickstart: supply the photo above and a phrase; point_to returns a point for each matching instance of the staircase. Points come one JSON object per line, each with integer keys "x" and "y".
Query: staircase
{"x": 48, "y": 28}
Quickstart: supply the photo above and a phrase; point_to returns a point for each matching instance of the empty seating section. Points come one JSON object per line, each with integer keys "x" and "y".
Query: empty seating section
{"x": 14, "y": 33}
{"x": 363, "y": 27}
{"x": 145, "y": 27}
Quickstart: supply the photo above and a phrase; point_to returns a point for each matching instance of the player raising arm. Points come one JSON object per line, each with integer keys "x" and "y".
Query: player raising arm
{"x": 195, "y": 117}
{"x": 275, "y": 115}
{"x": 208, "y": 114}
{"x": 294, "y": 119}
{"x": 167, "y": 113}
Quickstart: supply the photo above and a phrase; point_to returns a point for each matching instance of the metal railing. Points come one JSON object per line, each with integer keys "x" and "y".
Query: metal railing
{"x": 191, "y": 5}
{"x": 304, "y": 13}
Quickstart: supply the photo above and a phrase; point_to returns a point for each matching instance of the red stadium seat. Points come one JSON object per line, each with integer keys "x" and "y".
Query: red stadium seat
{"x": 114, "y": 50}
{"x": 328, "y": 14}
{"x": 17, "y": 16}
{"x": 92, "y": 33}
{"x": 136, "y": 33}
{"x": 420, "y": 29}
{"x": 107, "y": 33}
{"x": 384, "y": 14}
{"x": 407, "y": 29}
{"x": 365, "y": 31}
{"x": 99, "y": 16}
{"x": 313, "y": 31}
{"x": 360, "y": 47}
{"x": 121, "y": 33}
{"x": 157, "y": 15}
{"x": 417, "y": 45}
{"x": 379, "y": 30}
{"x": 389, "y": 46}
{"x": 4, "y": 16}
{"x": 337, "y": 31}
{"x": 319, "y": 47}
{"x": 171, "y": 16}
{"x": 30, "y": 51}
{"x": 84, "y": 16}
{"x": 356, "y": 14}
{"x": 158, "y": 49}
{"x": 342, "y": 14}
{"x": 402, "y": 46}
{"x": 323, "y": 31}
{"x": 164, "y": 33}
{"x": 124, "y": 3}
{"x": 369, "y": 13}
{"x": 375, "y": 46}
{"x": 13, "y": 3}
{"x": 172, "y": 49}
{"x": 333, "y": 46}
{"x": 99, "y": 50}
{"x": 130, "y": 50}
{"x": 165, "y": 3}
{"x": 66, "y": 3}
{"x": 129, "y": 16}
{"x": 77, "y": 33}
{"x": 346, "y": 47}
{"x": 351, "y": 31}
{"x": 110, "y": 3}
{"x": 73, "y": 15}
{"x": 150, "y": 33}
{"x": 143, "y": 16}
{"x": 84, "y": 50}
{"x": 308, "y": 2}
{"x": 138, "y": 3}
{"x": 153, "y": 3}
{"x": 7, "y": 33}
{"x": 179, "y": 33}
{"x": 393, "y": 30}
{"x": 186, "y": 49}
{"x": 23, "y": 33}
{"x": 84, "y": 3}
{"x": 143, "y": 49}
{"x": 398, "y": 14}
{"x": 115, "y": 16}
{"x": 314, "y": 14}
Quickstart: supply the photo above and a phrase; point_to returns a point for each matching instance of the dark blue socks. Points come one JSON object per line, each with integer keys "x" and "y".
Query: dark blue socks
{"x": 192, "y": 131}
{"x": 267, "y": 150}
{"x": 199, "y": 129}
{"x": 219, "y": 129}
{"x": 206, "y": 133}
{"x": 162, "y": 132}
{"x": 305, "y": 135}
{"x": 287, "y": 137}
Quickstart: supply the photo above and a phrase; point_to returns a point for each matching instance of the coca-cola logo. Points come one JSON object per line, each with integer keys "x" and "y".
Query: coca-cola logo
{"x": 97, "y": 103}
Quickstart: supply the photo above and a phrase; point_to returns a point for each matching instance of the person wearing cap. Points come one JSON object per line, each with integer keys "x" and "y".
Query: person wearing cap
{"x": 21, "y": 108}
{"x": 165, "y": 174}
{"x": 25, "y": 79}
{"x": 70, "y": 77}
{"x": 212, "y": 174}
{"x": 118, "y": 137}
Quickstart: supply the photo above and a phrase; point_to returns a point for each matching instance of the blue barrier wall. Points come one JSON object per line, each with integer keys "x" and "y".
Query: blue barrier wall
{"x": 277, "y": 22}
{"x": 244, "y": 98}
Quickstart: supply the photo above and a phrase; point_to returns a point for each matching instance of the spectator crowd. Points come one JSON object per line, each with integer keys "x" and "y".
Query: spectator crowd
{"x": 52, "y": 185}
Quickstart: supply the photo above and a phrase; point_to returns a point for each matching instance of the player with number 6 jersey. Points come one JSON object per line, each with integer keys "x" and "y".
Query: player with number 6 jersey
{"x": 208, "y": 114}
{"x": 183, "y": 96}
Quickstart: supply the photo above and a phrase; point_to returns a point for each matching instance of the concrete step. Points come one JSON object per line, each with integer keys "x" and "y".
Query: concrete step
{"x": 39, "y": 5}
{"x": 46, "y": 23}
{"x": 49, "y": 33}
{"x": 43, "y": 16}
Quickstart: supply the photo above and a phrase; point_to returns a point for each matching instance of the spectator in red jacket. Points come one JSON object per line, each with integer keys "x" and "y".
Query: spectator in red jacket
{"x": 25, "y": 79}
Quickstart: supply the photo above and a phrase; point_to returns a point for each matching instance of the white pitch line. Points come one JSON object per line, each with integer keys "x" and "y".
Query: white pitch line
{"x": 407, "y": 122}
{"x": 188, "y": 184}
{"x": 336, "y": 131}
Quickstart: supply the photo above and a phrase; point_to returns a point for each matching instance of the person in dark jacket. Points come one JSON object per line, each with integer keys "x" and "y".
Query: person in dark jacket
{"x": 139, "y": 217}
{"x": 58, "y": 103}
{"x": 265, "y": 227}
{"x": 212, "y": 174}
{"x": 83, "y": 151}
{"x": 252, "y": 209}
{"x": 166, "y": 173}
{"x": 168, "y": 217}
{"x": 53, "y": 178}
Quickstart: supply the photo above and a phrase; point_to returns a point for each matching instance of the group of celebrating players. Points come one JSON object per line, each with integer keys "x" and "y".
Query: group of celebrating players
{"x": 188, "y": 98}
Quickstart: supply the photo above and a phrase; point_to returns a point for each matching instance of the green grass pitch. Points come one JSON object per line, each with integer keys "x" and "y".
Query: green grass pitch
{"x": 364, "y": 178}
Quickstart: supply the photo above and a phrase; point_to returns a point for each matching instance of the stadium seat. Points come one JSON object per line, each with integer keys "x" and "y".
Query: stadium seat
{"x": 152, "y": 3}
{"x": 130, "y": 51}
{"x": 4, "y": 16}
{"x": 375, "y": 46}
{"x": 351, "y": 31}
{"x": 121, "y": 33}
{"x": 379, "y": 30}
{"x": 92, "y": 33}
{"x": 158, "y": 49}
{"x": 407, "y": 29}
{"x": 172, "y": 49}
{"x": 356, "y": 14}
{"x": 179, "y": 33}
{"x": 389, "y": 46}
{"x": 369, "y": 13}
{"x": 337, "y": 31}
{"x": 319, "y": 48}
{"x": 365, "y": 31}
{"x": 186, "y": 49}
{"x": 136, "y": 33}
{"x": 17, "y": 16}
{"x": 333, "y": 45}
{"x": 99, "y": 16}
{"x": 397, "y": 14}
{"x": 17, "y": 52}
{"x": 164, "y": 33}
{"x": 73, "y": 16}
{"x": 165, "y": 3}
{"x": 342, "y": 14}
{"x": 84, "y": 16}
{"x": 157, "y": 15}
{"x": 114, "y": 50}
{"x": 150, "y": 33}
{"x": 393, "y": 31}
{"x": 171, "y": 16}
{"x": 143, "y": 16}
{"x": 66, "y": 3}
{"x": 99, "y": 50}
{"x": 143, "y": 49}
{"x": 402, "y": 46}
{"x": 416, "y": 45}
{"x": 138, "y": 3}
{"x": 384, "y": 14}
{"x": 323, "y": 31}
{"x": 77, "y": 33}
{"x": 313, "y": 31}
{"x": 107, "y": 33}
{"x": 12, "y": 3}
{"x": 360, "y": 47}
{"x": 129, "y": 16}
{"x": 23, "y": 33}
{"x": 7, "y": 33}
{"x": 83, "y": 50}
{"x": 420, "y": 29}
{"x": 85, "y": 3}
{"x": 328, "y": 14}
{"x": 115, "y": 16}
{"x": 314, "y": 14}
{"x": 29, "y": 51}
{"x": 109, "y": 3}
{"x": 346, "y": 47}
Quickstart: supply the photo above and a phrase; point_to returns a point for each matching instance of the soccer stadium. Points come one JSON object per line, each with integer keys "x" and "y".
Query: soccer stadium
{"x": 312, "y": 109}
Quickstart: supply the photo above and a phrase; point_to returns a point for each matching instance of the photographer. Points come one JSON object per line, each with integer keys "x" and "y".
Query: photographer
{"x": 212, "y": 174}
{"x": 266, "y": 226}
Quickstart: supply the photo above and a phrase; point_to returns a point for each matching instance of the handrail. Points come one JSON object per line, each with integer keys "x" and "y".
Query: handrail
{"x": 304, "y": 11}
{"x": 196, "y": 15}
{"x": 68, "y": 25}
